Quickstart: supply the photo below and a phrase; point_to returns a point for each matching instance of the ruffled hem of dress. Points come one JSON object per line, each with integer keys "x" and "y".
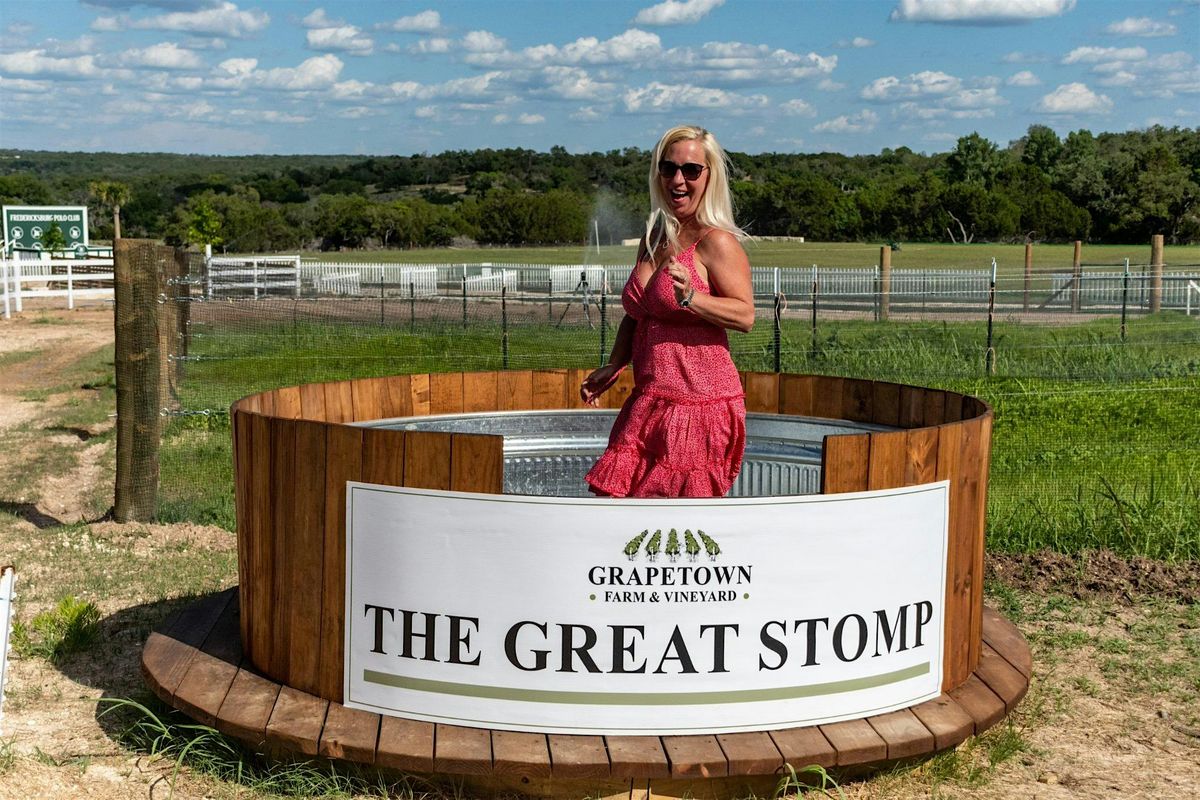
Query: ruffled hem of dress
{"x": 627, "y": 472}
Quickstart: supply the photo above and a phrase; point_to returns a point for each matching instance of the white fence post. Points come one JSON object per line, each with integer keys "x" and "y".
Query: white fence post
{"x": 70, "y": 289}
{"x": 4, "y": 281}
{"x": 17, "y": 283}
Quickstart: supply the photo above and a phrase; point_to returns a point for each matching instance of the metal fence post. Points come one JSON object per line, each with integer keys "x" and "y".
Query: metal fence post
{"x": 504, "y": 325}
{"x": 412, "y": 303}
{"x": 990, "y": 354}
{"x": 550, "y": 300}
{"x": 381, "y": 295}
{"x": 778, "y": 337}
{"x": 875, "y": 298}
{"x": 1124, "y": 297}
{"x": 1028, "y": 275}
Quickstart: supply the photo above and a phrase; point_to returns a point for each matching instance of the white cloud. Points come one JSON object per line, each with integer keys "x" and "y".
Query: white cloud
{"x": 978, "y": 12}
{"x": 862, "y": 41}
{"x": 164, "y": 55}
{"x": 23, "y": 85}
{"x": 237, "y": 67}
{"x": 344, "y": 39}
{"x": 1141, "y": 26}
{"x": 830, "y": 85}
{"x": 84, "y": 45}
{"x": 222, "y": 19}
{"x": 733, "y": 63}
{"x": 574, "y": 83}
{"x": 975, "y": 98}
{"x": 269, "y": 115}
{"x": 36, "y": 62}
{"x": 890, "y": 88}
{"x": 1023, "y": 78}
{"x": 313, "y": 73}
{"x": 106, "y": 24}
{"x": 1018, "y": 57}
{"x": 676, "y": 12}
{"x": 424, "y": 22}
{"x": 483, "y": 42}
{"x": 425, "y": 112}
{"x": 436, "y": 44}
{"x": 1074, "y": 98}
{"x": 1119, "y": 78}
{"x": 862, "y": 122}
{"x": 1095, "y": 55}
{"x": 500, "y": 119}
{"x": 797, "y": 108}
{"x": 197, "y": 43}
{"x": 319, "y": 19}
{"x": 629, "y": 47}
{"x": 586, "y": 114}
{"x": 530, "y": 119}
{"x": 18, "y": 28}
{"x": 661, "y": 97}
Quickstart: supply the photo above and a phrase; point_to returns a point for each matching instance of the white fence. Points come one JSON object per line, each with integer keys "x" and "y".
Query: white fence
{"x": 25, "y": 279}
{"x": 1110, "y": 289}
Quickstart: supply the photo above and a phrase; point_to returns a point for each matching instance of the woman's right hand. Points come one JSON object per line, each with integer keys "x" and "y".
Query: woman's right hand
{"x": 598, "y": 382}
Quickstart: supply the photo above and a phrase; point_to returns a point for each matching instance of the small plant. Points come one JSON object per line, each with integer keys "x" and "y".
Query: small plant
{"x": 69, "y": 627}
{"x": 692, "y": 546}
{"x": 672, "y": 550}
{"x": 808, "y": 780}
{"x": 634, "y": 544}
{"x": 654, "y": 546}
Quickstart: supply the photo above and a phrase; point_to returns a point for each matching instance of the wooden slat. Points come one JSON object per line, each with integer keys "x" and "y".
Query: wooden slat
{"x": 980, "y": 470}
{"x": 888, "y": 454}
{"x": 266, "y": 402}
{"x": 796, "y": 395}
{"x": 296, "y": 721}
{"x": 762, "y": 392}
{"x": 477, "y": 463}
{"x": 208, "y": 678}
{"x": 904, "y": 734}
{"x": 261, "y": 546}
{"x": 920, "y": 462}
{"x": 912, "y": 407}
{"x": 446, "y": 393}
{"x": 858, "y": 400}
{"x": 395, "y": 397}
{"x": 1005, "y": 639}
{"x": 935, "y": 407}
{"x": 981, "y": 703}
{"x": 958, "y": 561}
{"x": 698, "y": 756}
{"x": 339, "y": 402}
{"x": 283, "y": 502}
{"x": 243, "y": 455}
{"x": 480, "y": 391}
{"x": 574, "y": 381}
{"x": 365, "y": 399}
{"x": 287, "y": 402}
{"x": 953, "y": 406}
{"x": 383, "y": 456}
{"x": 462, "y": 751}
{"x": 637, "y": 757}
{"x": 750, "y": 753}
{"x": 946, "y": 720}
{"x": 343, "y": 462}
{"x": 844, "y": 463}
{"x": 856, "y": 742}
{"x": 520, "y": 755}
{"x": 827, "y": 397}
{"x": 802, "y": 747}
{"x": 306, "y": 554}
{"x": 349, "y": 734}
{"x": 247, "y": 707}
{"x": 550, "y": 389}
{"x": 405, "y": 744}
{"x": 968, "y": 530}
{"x": 427, "y": 459}
{"x": 164, "y": 663}
{"x": 515, "y": 389}
{"x": 1002, "y": 678}
{"x": 312, "y": 401}
{"x": 886, "y": 408}
{"x": 223, "y": 642}
{"x": 578, "y": 756}
{"x": 419, "y": 397}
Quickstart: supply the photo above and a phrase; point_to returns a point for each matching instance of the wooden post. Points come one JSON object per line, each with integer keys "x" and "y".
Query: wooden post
{"x": 885, "y": 281}
{"x": 1028, "y": 274}
{"x": 1076, "y": 277}
{"x": 1156, "y": 273}
{"x": 137, "y": 286}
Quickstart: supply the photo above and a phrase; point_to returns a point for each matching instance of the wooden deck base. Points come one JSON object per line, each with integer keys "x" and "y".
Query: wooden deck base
{"x": 194, "y": 663}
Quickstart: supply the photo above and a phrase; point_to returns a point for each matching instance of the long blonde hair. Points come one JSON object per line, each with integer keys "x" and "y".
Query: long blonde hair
{"x": 716, "y": 206}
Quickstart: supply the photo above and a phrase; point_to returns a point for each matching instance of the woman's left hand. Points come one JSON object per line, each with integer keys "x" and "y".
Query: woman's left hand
{"x": 681, "y": 279}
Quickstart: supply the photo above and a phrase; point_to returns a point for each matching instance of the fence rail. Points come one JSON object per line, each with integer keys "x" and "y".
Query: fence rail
{"x": 17, "y": 275}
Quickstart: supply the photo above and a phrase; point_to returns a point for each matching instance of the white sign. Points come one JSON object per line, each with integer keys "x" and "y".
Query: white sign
{"x": 657, "y": 617}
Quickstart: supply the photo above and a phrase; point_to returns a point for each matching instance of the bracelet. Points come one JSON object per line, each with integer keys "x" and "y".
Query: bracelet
{"x": 687, "y": 301}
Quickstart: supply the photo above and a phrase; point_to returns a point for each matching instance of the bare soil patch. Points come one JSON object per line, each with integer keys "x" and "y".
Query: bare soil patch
{"x": 1099, "y": 574}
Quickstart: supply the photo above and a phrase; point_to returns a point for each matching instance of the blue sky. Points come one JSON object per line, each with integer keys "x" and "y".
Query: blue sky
{"x": 361, "y": 76}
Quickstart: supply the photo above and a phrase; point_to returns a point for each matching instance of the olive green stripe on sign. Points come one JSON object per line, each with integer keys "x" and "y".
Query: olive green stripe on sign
{"x": 644, "y": 698}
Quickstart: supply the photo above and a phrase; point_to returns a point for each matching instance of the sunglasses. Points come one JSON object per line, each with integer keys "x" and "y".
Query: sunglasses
{"x": 690, "y": 170}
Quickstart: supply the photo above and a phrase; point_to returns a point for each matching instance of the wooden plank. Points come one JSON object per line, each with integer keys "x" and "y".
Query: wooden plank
{"x": 920, "y": 462}
{"x": 886, "y": 407}
{"x": 480, "y": 391}
{"x": 405, "y": 744}
{"x": 698, "y": 756}
{"x": 515, "y": 389}
{"x": 968, "y": 530}
{"x": 912, "y": 407}
{"x": 247, "y": 707}
{"x": 287, "y": 402}
{"x": 958, "y": 561}
{"x": 283, "y": 503}
{"x": 524, "y": 756}
{"x": 312, "y": 401}
{"x": 577, "y": 756}
{"x": 953, "y": 407}
{"x": 462, "y": 751}
{"x": 904, "y": 734}
{"x": 858, "y": 400}
{"x": 856, "y": 742}
{"x": 446, "y": 393}
{"x": 306, "y": 554}
{"x": 574, "y": 381}
{"x": 802, "y": 747}
{"x": 762, "y": 392}
{"x": 243, "y": 470}
{"x": 844, "y": 463}
{"x": 981, "y": 471}
{"x": 296, "y": 722}
{"x": 946, "y": 720}
{"x": 395, "y": 397}
{"x": 886, "y": 462}
{"x": 750, "y": 753}
{"x": 365, "y": 399}
{"x": 1005, "y": 639}
{"x": 550, "y": 389}
{"x": 827, "y": 397}
{"x": 266, "y": 402}
{"x": 1002, "y": 678}
{"x": 935, "y": 407}
{"x": 259, "y": 609}
{"x": 796, "y": 395}
{"x": 208, "y": 678}
{"x": 223, "y": 642}
{"x": 477, "y": 463}
{"x": 349, "y": 734}
{"x": 982, "y": 704}
{"x": 339, "y": 402}
{"x": 343, "y": 462}
{"x": 164, "y": 663}
{"x": 427, "y": 459}
{"x": 419, "y": 395}
{"x": 383, "y": 456}
{"x": 637, "y": 757}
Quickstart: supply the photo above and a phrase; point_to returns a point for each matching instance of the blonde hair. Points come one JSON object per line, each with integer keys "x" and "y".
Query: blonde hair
{"x": 716, "y": 206}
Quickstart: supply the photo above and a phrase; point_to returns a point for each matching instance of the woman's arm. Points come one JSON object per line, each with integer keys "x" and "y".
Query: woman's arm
{"x": 731, "y": 304}
{"x": 599, "y": 380}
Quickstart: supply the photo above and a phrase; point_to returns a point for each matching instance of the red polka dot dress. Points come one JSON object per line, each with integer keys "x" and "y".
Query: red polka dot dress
{"x": 682, "y": 432}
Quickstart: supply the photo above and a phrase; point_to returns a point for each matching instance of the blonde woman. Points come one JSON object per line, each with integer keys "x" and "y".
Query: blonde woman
{"x": 682, "y": 432}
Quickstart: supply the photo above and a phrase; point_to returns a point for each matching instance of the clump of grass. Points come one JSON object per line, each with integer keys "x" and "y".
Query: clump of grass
{"x": 808, "y": 780}
{"x": 69, "y": 627}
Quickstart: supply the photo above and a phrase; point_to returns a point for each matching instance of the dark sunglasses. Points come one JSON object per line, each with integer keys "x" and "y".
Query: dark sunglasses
{"x": 690, "y": 170}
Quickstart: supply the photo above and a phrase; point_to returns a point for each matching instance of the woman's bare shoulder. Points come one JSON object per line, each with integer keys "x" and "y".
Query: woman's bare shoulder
{"x": 720, "y": 244}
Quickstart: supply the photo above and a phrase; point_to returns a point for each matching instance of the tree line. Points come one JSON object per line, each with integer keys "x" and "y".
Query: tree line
{"x": 1110, "y": 187}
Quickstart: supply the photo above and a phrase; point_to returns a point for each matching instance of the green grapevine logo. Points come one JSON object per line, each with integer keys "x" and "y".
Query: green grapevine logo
{"x": 652, "y": 545}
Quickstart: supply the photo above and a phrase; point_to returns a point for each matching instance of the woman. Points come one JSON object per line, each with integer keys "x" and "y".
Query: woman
{"x": 683, "y": 430}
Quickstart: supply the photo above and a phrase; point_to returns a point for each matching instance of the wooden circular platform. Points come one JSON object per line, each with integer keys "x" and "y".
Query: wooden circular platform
{"x": 195, "y": 663}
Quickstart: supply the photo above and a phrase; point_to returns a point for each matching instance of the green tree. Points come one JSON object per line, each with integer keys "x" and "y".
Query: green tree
{"x": 203, "y": 223}
{"x": 112, "y": 194}
{"x": 1041, "y": 148}
{"x": 974, "y": 160}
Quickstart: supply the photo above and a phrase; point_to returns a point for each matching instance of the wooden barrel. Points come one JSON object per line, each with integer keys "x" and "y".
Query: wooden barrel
{"x": 294, "y": 451}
